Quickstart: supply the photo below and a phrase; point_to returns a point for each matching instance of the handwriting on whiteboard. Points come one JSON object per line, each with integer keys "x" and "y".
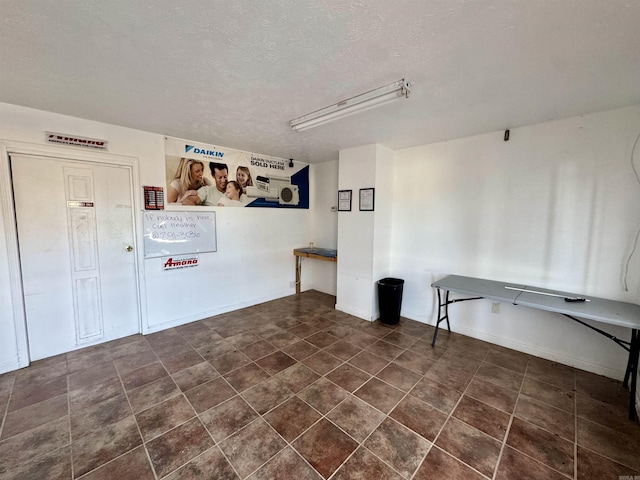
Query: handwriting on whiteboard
{"x": 175, "y": 236}
{"x": 166, "y": 231}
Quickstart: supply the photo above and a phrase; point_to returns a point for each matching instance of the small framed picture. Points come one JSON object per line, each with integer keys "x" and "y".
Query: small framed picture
{"x": 367, "y": 197}
{"x": 344, "y": 200}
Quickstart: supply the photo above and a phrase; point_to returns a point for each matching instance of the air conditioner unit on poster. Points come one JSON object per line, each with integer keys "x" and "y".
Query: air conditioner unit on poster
{"x": 273, "y": 188}
{"x": 289, "y": 195}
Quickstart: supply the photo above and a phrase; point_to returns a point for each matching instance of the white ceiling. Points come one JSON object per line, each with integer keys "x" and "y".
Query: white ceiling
{"x": 233, "y": 73}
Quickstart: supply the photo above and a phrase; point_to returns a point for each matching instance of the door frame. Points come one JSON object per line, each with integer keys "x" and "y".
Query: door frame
{"x": 7, "y": 148}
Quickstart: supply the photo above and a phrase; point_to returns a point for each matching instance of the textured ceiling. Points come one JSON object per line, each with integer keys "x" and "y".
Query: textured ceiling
{"x": 233, "y": 73}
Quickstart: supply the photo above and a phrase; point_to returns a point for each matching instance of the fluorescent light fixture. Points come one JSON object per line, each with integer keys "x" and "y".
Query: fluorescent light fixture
{"x": 359, "y": 103}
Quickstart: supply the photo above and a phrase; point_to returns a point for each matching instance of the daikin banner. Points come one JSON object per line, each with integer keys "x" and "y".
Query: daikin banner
{"x": 214, "y": 176}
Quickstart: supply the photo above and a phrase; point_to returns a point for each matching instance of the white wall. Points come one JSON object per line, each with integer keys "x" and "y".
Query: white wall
{"x": 556, "y": 206}
{"x": 364, "y": 237}
{"x": 318, "y": 275}
{"x": 254, "y": 262}
{"x": 382, "y": 218}
{"x": 8, "y": 332}
{"x": 355, "y": 235}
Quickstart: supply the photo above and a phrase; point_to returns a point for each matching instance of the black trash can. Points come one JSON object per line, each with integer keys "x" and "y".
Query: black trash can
{"x": 390, "y": 299}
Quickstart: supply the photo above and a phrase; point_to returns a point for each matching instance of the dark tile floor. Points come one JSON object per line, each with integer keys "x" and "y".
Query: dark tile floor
{"x": 292, "y": 389}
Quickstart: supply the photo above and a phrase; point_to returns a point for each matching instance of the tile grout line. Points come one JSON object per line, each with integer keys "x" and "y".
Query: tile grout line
{"x": 6, "y": 408}
{"x": 288, "y": 444}
{"x": 68, "y": 444}
{"x": 73, "y": 474}
{"x": 520, "y": 395}
{"x": 538, "y": 427}
{"x": 259, "y": 416}
{"x": 450, "y": 415}
{"x": 407, "y": 393}
{"x": 67, "y": 379}
{"x": 511, "y": 418}
{"x": 324, "y": 416}
{"x": 433, "y": 443}
{"x": 216, "y": 444}
{"x": 126, "y": 395}
{"x": 361, "y": 444}
{"x": 120, "y": 378}
{"x": 386, "y": 415}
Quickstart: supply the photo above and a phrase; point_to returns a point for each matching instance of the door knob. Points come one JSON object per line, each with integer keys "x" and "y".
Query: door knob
{"x": 129, "y": 248}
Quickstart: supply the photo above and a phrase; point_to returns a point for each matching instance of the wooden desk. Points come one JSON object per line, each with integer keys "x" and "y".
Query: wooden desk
{"x": 568, "y": 304}
{"x": 324, "y": 254}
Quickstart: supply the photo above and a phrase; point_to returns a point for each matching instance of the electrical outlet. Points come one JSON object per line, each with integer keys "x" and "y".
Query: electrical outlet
{"x": 495, "y": 308}
{"x": 292, "y": 284}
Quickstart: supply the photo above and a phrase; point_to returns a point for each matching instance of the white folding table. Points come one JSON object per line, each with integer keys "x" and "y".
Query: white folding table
{"x": 570, "y": 305}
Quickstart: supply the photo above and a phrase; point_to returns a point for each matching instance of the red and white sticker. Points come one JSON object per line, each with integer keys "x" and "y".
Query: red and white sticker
{"x": 76, "y": 141}
{"x": 182, "y": 261}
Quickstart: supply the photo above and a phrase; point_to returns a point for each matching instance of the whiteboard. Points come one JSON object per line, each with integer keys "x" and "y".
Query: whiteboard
{"x": 178, "y": 233}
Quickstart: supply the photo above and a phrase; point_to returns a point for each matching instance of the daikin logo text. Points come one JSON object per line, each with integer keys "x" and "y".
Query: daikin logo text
{"x": 208, "y": 153}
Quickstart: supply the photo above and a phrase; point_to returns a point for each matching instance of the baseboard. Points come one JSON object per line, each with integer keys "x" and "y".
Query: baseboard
{"x": 355, "y": 313}
{"x": 211, "y": 313}
{"x": 418, "y": 317}
{"x": 10, "y": 366}
{"x": 315, "y": 287}
{"x": 526, "y": 348}
{"x": 547, "y": 354}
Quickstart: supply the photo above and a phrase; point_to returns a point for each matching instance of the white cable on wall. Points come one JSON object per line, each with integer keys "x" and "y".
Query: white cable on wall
{"x": 635, "y": 243}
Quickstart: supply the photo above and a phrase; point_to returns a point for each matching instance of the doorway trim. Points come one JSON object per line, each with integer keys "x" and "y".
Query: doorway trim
{"x": 10, "y": 147}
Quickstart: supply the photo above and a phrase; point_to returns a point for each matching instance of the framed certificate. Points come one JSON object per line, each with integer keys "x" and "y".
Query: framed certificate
{"x": 344, "y": 200}
{"x": 367, "y": 196}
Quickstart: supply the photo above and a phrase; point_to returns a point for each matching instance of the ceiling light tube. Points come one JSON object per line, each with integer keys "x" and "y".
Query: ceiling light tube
{"x": 359, "y": 103}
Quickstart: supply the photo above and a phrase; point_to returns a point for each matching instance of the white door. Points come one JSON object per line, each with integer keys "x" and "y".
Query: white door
{"x": 75, "y": 234}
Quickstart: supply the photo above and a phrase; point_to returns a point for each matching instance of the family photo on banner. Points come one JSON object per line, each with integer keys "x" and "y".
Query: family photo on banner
{"x": 214, "y": 176}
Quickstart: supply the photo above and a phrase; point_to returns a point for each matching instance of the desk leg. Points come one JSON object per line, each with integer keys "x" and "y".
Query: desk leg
{"x": 632, "y": 369}
{"x": 297, "y": 274}
{"x": 444, "y": 306}
{"x": 627, "y": 373}
{"x": 441, "y": 317}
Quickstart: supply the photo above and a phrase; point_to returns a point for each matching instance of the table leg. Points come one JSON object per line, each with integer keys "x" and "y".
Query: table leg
{"x": 634, "y": 351}
{"x": 297, "y": 275}
{"x": 627, "y": 373}
{"x": 441, "y": 305}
